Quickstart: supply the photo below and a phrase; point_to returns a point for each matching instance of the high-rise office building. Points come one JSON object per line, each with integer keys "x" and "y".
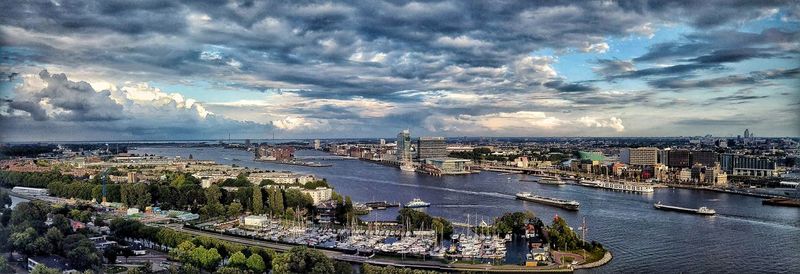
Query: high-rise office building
{"x": 678, "y": 158}
{"x": 404, "y": 146}
{"x": 431, "y": 148}
{"x": 747, "y": 133}
{"x": 704, "y": 157}
{"x": 643, "y": 156}
{"x": 748, "y": 165}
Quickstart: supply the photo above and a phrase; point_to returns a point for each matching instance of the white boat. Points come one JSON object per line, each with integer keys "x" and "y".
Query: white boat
{"x": 407, "y": 167}
{"x": 416, "y": 203}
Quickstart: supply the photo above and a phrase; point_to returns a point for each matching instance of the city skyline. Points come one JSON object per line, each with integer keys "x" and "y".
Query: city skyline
{"x": 75, "y": 71}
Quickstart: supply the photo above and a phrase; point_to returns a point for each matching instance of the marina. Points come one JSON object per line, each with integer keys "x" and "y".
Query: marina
{"x": 374, "y": 239}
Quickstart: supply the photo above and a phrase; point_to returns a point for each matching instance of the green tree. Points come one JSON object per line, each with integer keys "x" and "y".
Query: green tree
{"x": 41, "y": 269}
{"x": 110, "y": 253}
{"x": 234, "y": 209}
{"x": 80, "y": 252}
{"x": 256, "y": 263}
{"x": 135, "y": 195}
{"x": 561, "y": 236}
{"x": 238, "y": 260}
{"x": 513, "y": 222}
{"x": 23, "y": 241}
{"x": 302, "y": 260}
{"x": 213, "y": 207}
{"x": 41, "y": 246}
{"x": 343, "y": 268}
{"x": 55, "y": 237}
{"x": 4, "y": 266}
{"x": 295, "y": 198}
{"x": 30, "y": 214}
{"x": 210, "y": 259}
{"x": 276, "y": 201}
{"x": 5, "y": 199}
{"x": 183, "y": 253}
{"x": 258, "y": 203}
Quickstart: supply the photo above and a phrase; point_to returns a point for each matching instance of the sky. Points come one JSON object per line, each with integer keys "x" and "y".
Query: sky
{"x": 170, "y": 70}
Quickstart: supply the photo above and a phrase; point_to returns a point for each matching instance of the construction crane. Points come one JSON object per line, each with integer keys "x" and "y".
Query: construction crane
{"x": 104, "y": 177}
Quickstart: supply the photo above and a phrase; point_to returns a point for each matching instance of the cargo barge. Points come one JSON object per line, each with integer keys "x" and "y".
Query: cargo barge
{"x": 701, "y": 211}
{"x": 565, "y": 204}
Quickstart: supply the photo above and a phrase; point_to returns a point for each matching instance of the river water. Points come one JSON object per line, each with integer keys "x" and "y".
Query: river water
{"x": 743, "y": 237}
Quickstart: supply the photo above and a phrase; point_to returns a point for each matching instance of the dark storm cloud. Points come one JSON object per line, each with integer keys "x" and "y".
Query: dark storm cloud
{"x": 703, "y": 51}
{"x": 717, "y": 122}
{"x": 383, "y": 50}
{"x": 732, "y": 55}
{"x": 665, "y": 71}
{"x": 76, "y": 101}
{"x": 419, "y": 40}
{"x": 731, "y": 80}
{"x": 126, "y": 17}
{"x": 562, "y": 86}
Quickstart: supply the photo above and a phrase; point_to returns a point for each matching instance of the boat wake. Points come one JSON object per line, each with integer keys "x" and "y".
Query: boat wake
{"x": 752, "y": 220}
{"x": 462, "y": 206}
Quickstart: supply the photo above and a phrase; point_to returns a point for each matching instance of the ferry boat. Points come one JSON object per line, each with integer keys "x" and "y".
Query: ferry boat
{"x": 417, "y": 203}
{"x": 407, "y": 167}
{"x": 550, "y": 181}
{"x": 702, "y": 210}
{"x": 565, "y": 204}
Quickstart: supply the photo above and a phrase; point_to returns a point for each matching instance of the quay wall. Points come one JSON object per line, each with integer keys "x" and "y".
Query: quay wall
{"x": 606, "y": 258}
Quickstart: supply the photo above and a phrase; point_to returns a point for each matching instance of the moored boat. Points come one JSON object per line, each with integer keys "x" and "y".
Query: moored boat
{"x": 551, "y": 181}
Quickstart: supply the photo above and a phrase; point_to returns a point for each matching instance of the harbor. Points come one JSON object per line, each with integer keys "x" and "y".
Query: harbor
{"x": 617, "y": 224}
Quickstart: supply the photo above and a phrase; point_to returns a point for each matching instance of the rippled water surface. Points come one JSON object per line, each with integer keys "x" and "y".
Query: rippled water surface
{"x": 743, "y": 237}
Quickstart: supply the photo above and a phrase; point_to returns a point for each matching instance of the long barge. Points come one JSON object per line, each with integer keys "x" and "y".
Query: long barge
{"x": 565, "y": 204}
{"x": 380, "y": 205}
{"x": 701, "y": 211}
{"x": 779, "y": 201}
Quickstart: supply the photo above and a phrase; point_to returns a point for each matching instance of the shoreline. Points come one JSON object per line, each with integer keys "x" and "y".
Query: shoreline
{"x": 607, "y": 257}
{"x": 743, "y": 193}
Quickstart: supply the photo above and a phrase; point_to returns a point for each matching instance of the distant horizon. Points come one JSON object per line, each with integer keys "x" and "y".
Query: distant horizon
{"x": 376, "y": 138}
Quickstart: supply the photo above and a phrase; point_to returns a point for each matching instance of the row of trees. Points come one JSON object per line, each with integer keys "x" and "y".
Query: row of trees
{"x": 11, "y": 179}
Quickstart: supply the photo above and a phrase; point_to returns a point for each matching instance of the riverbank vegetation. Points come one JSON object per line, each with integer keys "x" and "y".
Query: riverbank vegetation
{"x": 562, "y": 237}
{"x": 182, "y": 191}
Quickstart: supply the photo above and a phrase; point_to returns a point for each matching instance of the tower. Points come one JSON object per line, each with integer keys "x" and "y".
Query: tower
{"x": 404, "y": 146}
